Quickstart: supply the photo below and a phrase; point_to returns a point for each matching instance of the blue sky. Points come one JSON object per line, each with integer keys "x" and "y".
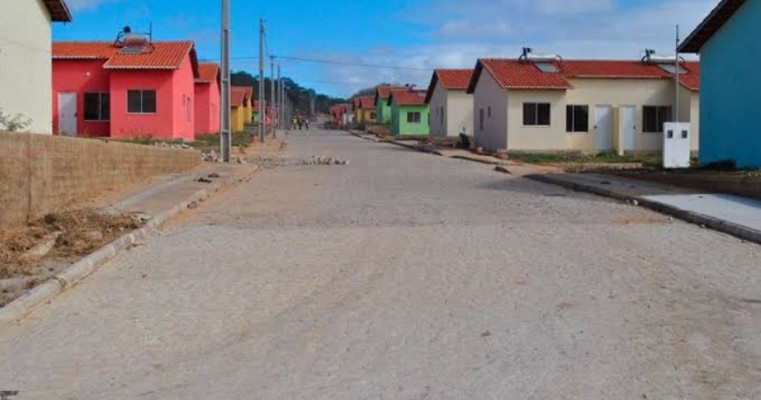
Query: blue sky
{"x": 413, "y": 35}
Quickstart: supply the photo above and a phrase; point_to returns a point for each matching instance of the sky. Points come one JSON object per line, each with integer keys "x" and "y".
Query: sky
{"x": 402, "y": 41}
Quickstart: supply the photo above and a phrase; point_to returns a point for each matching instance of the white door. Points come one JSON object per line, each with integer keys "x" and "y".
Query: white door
{"x": 604, "y": 128}
{"x": 628, "y": 116}
{"x": 67, "y": 113}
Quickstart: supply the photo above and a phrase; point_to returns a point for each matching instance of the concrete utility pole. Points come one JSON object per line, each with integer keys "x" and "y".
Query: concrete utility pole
{"x": 262, "y": 109}
{"x": 272, "y": 90}
{"x": 281, "y": 110}
{"x": 224, "y": 109}
{"x": 676, "y": 79}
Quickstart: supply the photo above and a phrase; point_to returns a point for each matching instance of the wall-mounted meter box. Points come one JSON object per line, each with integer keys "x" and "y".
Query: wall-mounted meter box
{"x": 676, "y": 145}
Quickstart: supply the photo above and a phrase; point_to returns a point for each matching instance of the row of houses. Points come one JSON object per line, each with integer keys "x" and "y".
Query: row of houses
{"x": 544, "y": 103}
{"x": 129, "y": 87}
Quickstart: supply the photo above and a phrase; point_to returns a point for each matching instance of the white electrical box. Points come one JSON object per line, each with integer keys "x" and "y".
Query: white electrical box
{"x": 676, "y": 145}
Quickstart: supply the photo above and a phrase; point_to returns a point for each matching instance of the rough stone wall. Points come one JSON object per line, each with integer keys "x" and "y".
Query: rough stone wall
{"x": 40, "y": 174}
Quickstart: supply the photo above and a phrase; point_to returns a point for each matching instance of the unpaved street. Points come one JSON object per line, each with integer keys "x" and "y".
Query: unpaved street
{"x": 403, "y": 276}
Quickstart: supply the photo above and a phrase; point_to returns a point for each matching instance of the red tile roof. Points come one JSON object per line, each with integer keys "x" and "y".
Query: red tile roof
{"x": 59, "y": 11}
{"x": 454, "y": 79}
{"x": 366, "y": 102}
{"x": 710, "y": 25}
{"x": 407, "y": 98}
{"x": 208, "y": 72}
{"x": 157, "y": 55}
{"x": 239, "y": 94}
{"x": 383, "y": 91}
{"x": 451, "y": 79}
{"x": 515, "y": 74}
{"x": 691, "y": 80}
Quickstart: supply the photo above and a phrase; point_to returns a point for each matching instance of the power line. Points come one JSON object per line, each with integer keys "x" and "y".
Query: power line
{"x": 333, "y": 62}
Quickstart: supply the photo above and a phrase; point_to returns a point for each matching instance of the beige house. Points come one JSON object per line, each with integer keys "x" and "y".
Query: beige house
{"x": 580, "y": 105}
{"x": 449, "y": 104}
{"x": 26, "y": 72}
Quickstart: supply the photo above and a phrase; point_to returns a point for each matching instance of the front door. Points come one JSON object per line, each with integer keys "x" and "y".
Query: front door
{"x": 67, "y": 113}
{"x": 628, "y": 116}
{"x": 604, "y": 128}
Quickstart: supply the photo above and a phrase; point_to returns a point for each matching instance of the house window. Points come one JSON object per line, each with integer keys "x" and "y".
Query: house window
{"x": 653, "y": 118}
{"x": 141, "y": 101}
{"x": 481, "y": 119}
{"x": 97, "y": 107}
{"x": 577, "y": 118}
{"x": 372, "y": 115}
{"x": 536, "y": 114}
{"x": 413, "y": 117}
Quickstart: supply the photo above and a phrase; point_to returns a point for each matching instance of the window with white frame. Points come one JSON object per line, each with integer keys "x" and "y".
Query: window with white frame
{"x": 536, "y": 114}
{"x": 413, "y": 117}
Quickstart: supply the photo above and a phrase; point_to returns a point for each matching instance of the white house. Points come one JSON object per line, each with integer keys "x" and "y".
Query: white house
{"x": 580, "y": 105}
{"x": 26, "y": 74}
{"x": 450, "y": 106}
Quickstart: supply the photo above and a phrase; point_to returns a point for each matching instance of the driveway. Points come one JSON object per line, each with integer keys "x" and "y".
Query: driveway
{"x": 403, "y": 276}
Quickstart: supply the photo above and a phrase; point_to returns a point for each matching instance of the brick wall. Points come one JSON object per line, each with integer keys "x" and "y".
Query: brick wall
{"x": 41, "y": 173}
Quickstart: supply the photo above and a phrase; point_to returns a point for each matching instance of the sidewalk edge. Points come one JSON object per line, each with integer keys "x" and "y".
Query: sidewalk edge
{"x": 739, "y": 231}
{"x": 77, "y": 272}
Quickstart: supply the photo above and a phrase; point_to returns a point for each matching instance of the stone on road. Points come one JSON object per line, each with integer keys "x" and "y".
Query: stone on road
{"x": 403, "y": 276}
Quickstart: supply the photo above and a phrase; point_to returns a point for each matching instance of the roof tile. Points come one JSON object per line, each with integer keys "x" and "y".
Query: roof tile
{"x": 158, "y": 55}
{"x": 207, "y": 72}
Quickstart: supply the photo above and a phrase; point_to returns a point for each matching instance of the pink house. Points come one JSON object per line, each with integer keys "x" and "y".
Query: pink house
{"x": 207, "y": 98}
{"x": 128, "y": 88}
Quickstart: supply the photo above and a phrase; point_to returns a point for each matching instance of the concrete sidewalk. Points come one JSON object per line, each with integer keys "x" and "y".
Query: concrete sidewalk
{"x": 730, "y": 214}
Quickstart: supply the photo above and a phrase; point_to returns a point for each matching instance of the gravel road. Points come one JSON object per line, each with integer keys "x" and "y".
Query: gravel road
{"x": 403, "y": 276}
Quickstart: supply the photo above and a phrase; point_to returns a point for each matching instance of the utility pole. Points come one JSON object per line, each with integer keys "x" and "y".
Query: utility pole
{"x": 676, "y": 74}
{"x": 262, "y": 109}
{"x": 279, "y": 98}
{"x": 224, "y": 109}
{"x": 272, "y": 91}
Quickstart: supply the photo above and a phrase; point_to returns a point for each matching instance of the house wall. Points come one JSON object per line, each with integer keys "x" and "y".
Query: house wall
{"x": 183, "y": 95}
{"x": 459, "y": 113}
{"x": 729, "y": 121}
{"x": 25, "y": 63}
{"x": 383, "y": 111}
{"x": 536, "y": 138}
{"x": 594, "y": 92}
{"x": 238, "y": 119}
{"x": 81, "y": 76}
{"x": 368, "y": 115}
{"x": 438, "y": 109}
{"x": 158, "y": 125}
{"x": 400, "y": 126}
{"x": 689, "y": 111}
{"x": 494, "y": 133}
{"x": 205, "y": 108}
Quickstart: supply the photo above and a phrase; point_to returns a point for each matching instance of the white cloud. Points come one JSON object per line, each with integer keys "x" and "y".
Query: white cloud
{"x": 458, "y": 35}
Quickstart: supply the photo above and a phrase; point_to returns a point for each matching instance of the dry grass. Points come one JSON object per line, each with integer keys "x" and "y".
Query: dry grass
{"x": 82, "y": 231}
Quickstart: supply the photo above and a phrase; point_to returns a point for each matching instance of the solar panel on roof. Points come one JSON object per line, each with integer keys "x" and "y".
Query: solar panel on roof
{"x": 131, "y": 50}
{"x": 671, "y": 68}
{"x": 546, "y": 67}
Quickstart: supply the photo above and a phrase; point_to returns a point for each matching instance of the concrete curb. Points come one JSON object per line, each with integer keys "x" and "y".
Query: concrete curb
{"x": 739, "y": 231}
{"x": 45, "y": 292}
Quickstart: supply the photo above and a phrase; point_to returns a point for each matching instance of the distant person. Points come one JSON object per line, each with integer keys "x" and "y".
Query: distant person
{"x": 301, "y": 123}
{"x": 306, "y": 123}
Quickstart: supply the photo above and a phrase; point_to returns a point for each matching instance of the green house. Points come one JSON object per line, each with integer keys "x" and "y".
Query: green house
{"x": 409, "y": 113}
{"x": 382, "y": 109}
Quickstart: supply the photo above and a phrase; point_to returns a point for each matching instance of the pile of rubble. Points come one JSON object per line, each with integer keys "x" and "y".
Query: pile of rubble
{"x": 213, "y": 156}
{"x": 181, "y": 145}
{"x": 320, "y": 160}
